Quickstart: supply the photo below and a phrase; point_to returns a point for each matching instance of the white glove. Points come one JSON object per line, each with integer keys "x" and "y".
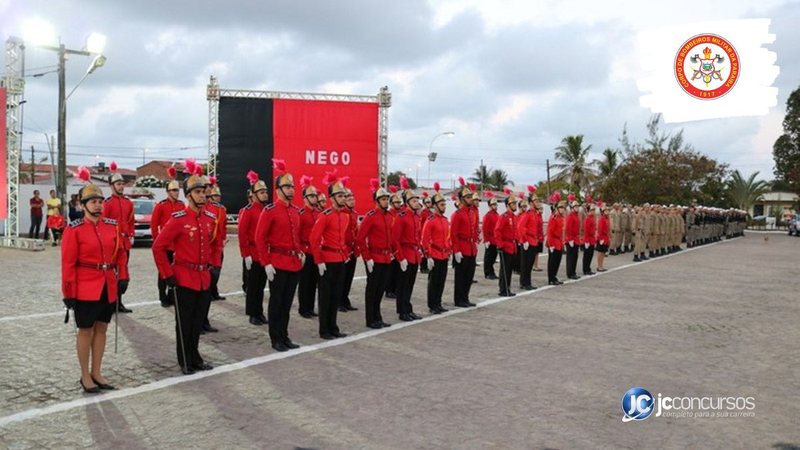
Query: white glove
{"x": 322, "y": 268}
{"x": 404, "y": 265}
{"x": 270, "y": 270}
{"x": 459, "y": 256}
{"x": 487, "y": 245}
{"x": 586, "y": 245}
{"x": 552, "y": 249}
{"x": 526, "y": 245}
{"x": 430, "y": 263}
{"x": 248, "y": 262}
{"x": 370, "y": 265}
{"x": 302, "y": 259}
{"x": 132, "y": 240}
{"x": 602, "y": 242}
{"x": 572, "y": 243}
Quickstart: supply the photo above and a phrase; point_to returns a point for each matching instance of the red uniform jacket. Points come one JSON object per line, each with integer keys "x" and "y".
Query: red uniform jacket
{"x": 603, "y": 230}
{"x": 55, "y": 222}
{"x": 85, "y": 248}
{"x": 278, "y": 237}
{"x": 476, "y": 218}
{"x": 375, "y": 240}
{"x": 220, "y": 234}
{"x": 407, "y": 231}
{"x": 489, "y": 221}
{"x": 425, "y": 214}
{"x": 248, "y": 220}
{"x": 505, "y": 232}
{"x": 189, "y": 235}
{"x": 589, "y": 230}
{"x": 329, "y": 236}
{"x": 436, "y": 237}
{"x": 555, "y": 231}
{"x": 528, "y": 228}
{"x": 120, "y": 208}
{"x": 573, "y": 229}
{"x": 462, "y": 232}
{"x": 539, "y": 227}
{"x": 352, "y": 235}
{"x": 162, "y": 213}
{"x": 308, "y": 216}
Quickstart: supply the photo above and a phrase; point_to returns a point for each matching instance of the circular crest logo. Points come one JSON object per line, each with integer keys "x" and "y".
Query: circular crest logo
{"x": 637, "y": 404}
{"x": 707, "y": 66}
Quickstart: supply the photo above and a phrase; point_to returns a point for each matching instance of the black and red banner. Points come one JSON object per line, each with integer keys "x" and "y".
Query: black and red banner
{"x": 311, "y": 136}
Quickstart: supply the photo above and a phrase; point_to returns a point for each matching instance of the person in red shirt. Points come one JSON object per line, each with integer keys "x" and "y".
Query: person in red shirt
{"x": 256, "y": 278}
{"x": 377, "y": 249}
{"x": 436, "y": 246}
{"x": 589, "y": 236}
{"x": 93, "y": 262}
{"x": 603, "y": 236}
{"x": 329, "y": 247}
{"x": 281, "y": 255}
{"x": 162, "y": 213}
{"x": 539, "y": 233}
{"x": 120, "y": 208}
{"x": 522, "y": 209}
{"x": 55, "y": 223}
{"x": 396, "y": 204}
{"x": 407, "y": 233}
{"x": 427, "y": 211}
{"x": 350, "y": 265}
{"x": 465, "y": 246}
{"x": 555, "y": 235}
{"x": 309, "y": 277}
{"x": 572, "y": 238}
{"x": 249, "y": 195}
{"x": 218, "y": 238}
{"x": 36, "y": 215}
{"x": 505, "y": 234}
{"x": 489, "y": 221}
{"x": 528, "y": 236}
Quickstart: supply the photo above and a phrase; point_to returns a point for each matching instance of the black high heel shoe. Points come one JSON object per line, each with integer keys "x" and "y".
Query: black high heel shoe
{"x": 105, "y": 387}
{"x": 94, "y": 390}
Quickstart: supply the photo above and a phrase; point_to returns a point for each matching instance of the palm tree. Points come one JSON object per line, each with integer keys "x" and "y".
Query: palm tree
{"x": 743, "y": 193}
{"x": 608, "y": 165}
{"x": 480, "y": 176}
{"x": 573, "y": 166}
{"x": 499, "y": 179}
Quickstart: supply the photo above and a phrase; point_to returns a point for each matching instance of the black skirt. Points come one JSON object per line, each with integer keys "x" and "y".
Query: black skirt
{"x": 87, "y": 312}
{"x": 601, "y": 248}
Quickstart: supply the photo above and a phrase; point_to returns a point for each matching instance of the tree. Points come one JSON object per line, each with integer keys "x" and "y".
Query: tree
{"x": 609, "y": 163}
{"x": 743, "y": 193}
{"x": 491, "y": 179}
{"x": 573, "y": 165}
{"x": 498, "y": 179}
{"x": 394, "y": 179}
{"x": 480, "y": 176}
{"x": 786, "y": 150}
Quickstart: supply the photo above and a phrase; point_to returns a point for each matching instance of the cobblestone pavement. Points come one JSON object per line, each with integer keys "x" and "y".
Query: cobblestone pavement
{"x": 545, "y": 369}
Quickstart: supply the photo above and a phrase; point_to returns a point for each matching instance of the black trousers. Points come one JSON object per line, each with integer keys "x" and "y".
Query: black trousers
{"x": 188, "y": 323}
{"x": 215, "y": 274}
{"x": 527, "y": 257}
{"x": 391, "y": 280}
{"x": 436, "y": 279}
{"x": 36, "y": 225}
{"x": 376, "y": 285}
{"x": 281, "y": 295}
{"x": 244, "y": 276}
{"x": 307, "y": 289}
{"x": 489, "y": 258}
{"x": 349, "y": 273}
{"x": 256, "y": 282}
{"x": 465, "y": 271}
{"x": 331, "y": 292}
{"x": 553, "y": 263}
{"x": 506, "y": 269}
{"x": 572, "y": 259}
{"x": 516, "y": 262}
{"x": 165, "y": 293}
{"x": 405, "y": 287}
{"x": 588, "y": 254}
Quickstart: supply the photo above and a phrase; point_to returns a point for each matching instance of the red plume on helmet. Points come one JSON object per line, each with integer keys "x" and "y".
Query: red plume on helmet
{"x": 198, "y": 170}
{"x": 424, "y": 194}
{"x": 453, "y": 197}
{"x": 521, "y": 195}
{"x": 436, "y": 186}
{"x": 330, "y": 177}
{"x": 252, "y": 177}
{"x": 305, "y": 181}
{"x": 374, "y": 185}
{"x": 189, "y": 166}
{"x": 589, "y": 199}
{"x": 488, "y": 194}
{"x": 278, "y": 166}
{"x": 345, "y": 181}
{"x": 393, "y": 189}
{"x": 113, "y": 166}
{"x": 531, "y": 188}
{"x": 172, "y": 172}
{"x": 571, "y": 197}
{"x": 473, "y": 186}
{"x": 83, "y": 174}
{"x": 404, "y": 183}
{"x": 507, "y": 190}
{"x": 461, "y": 181}
{"x": 213, "y": 180}
{"x": 557, "y": 196}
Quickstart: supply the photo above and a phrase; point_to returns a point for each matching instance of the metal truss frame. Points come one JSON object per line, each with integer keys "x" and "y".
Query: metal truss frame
{"x": 14, "y": 83}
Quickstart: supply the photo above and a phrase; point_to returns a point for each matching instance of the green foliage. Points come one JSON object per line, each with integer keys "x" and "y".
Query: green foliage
{"x": 786, "y": 150}
{"x": 394, "y": 179}
{"x": 149, "y": 181}
{"x": 742, "y": 192}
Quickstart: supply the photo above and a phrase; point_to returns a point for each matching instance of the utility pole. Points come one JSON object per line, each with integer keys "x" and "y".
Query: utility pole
{"x": 548, "y": 179}
{"x": 61, "y": 186}
{"x": 33, "y": 167}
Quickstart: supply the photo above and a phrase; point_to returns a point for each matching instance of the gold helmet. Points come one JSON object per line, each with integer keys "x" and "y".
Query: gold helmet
{"x": 463, "y": 190}
{"x": 115, "y": 176}
{"x": 89, "y": 190}
{"x": 377, "y": 190}
{"x": 192, "y": 183}
{"x": 510, "y": 197}
{"x": 308, "y": 189}
{"x": 335, "y": 185}
{"x": 437, "y": 196}
{"x": 256, "y": 184}
{"x": 407, "y": 193}
{"x": 283, "y": 177}
{"x": 173, "y": 184}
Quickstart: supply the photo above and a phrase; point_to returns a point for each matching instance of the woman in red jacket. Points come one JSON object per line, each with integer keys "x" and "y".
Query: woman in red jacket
{"x": 603, "y": 232}
{"x": 555, "y": 243}
{"x": 589, "y": 237}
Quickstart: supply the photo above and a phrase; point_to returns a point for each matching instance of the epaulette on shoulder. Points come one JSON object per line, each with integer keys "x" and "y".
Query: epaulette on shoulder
{"x": 109, "y": 221}
{"x": 301, "y": 210}
{"x": 164, "y": 201}
{"x": 76, "y": 222}
{"x": 401, "y": 214}
{"x": 210, "y": 214}
{"x": 328, "y": 211}
{"x": 431, "y": 217}
{"x": 108, "y": 199}
{"x": 180, "y": 213}
{"x": 250, "y": 206}
{"x": 217, "y": 204}
{"x": 371, "y": 212}
{"x": 296, "y": 208}
{"x": 270, "y": 206}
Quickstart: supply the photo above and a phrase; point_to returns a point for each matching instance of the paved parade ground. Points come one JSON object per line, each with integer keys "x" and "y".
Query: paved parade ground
{"x": 547, "y": 369}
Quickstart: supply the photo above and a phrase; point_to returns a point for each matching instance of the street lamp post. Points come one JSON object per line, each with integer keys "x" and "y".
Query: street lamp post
{"x": 431, "y": 155}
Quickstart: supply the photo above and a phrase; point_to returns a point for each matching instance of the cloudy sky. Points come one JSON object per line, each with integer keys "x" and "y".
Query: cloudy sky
{"x": 510, "y": 78}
